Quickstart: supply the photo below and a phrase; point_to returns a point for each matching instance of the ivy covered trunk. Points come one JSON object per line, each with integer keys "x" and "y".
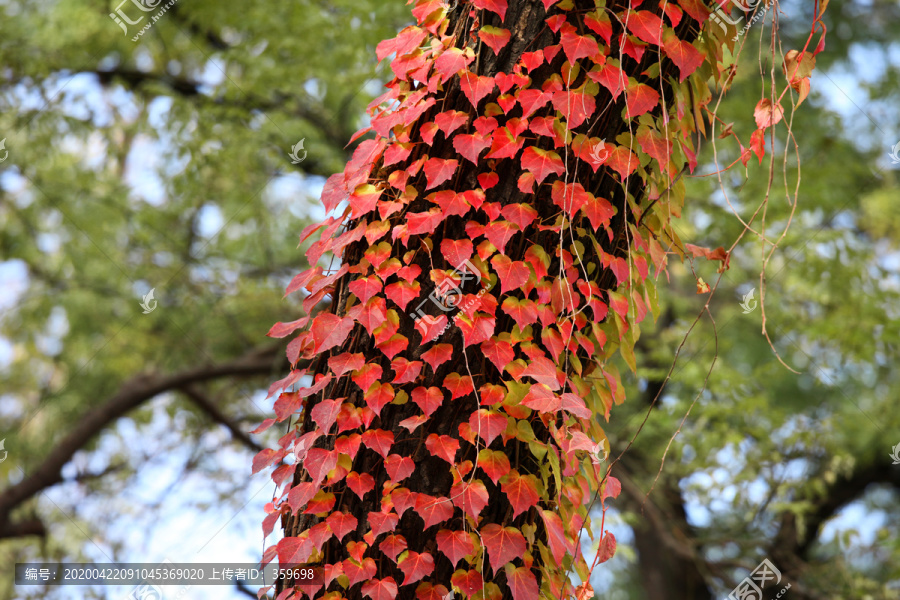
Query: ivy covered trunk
{"x": 502, "y": 215}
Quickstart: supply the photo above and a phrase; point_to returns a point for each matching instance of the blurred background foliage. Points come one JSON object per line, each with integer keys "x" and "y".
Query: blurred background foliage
{"x": 163, "y": 164}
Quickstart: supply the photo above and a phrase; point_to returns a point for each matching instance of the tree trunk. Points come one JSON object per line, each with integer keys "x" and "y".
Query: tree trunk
{"x": 574, "y": 262}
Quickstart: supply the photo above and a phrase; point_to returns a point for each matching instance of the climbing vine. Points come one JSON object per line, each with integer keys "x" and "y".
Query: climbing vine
{"x": 489, "y": 250}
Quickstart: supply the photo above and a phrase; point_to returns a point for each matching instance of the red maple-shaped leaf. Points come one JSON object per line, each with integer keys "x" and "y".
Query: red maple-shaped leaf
{"x": 361, "y": 484}
{"x": 450, "y": 120}
{"x": 556, "y": 536}
{"x": 499, "y": 233}
{"x": 325, "y": 413}
{"x": 344, "y": 362}
{"x": 470, "y": 145}
{"x": 428, "y": 399}
{"x": 475, "y": 330}
{"x": 600, "y": 23}
{"x": 395, "y": 344}
{"x": 497, "y": 6}
{"x": 450, "y": 62}
{"x": 456, "y": 251}
{"x": 413, "y": 423}
{"x": 577, "y": 46}
{"x": 438, "y": 354}
{"x": 612, "y": 78}
{"x": 599, "y": 211}
{"x": 512, "y": 274}
{"x": 341, "y": 524}
{"x": 382, "y": 521}
{"x": 415, "y": 566}
{"x": 488, "y": 180}
{"x": 543, "y": 371}
{"x": 475, "y": 87}
{"x": 522, "y": 583}
{"x": 685, "y": 56}
{"x": 431, "y": 328}
{"x": 426, "y": 591}
{"x": 540, "y": 398}
{"x": 521, "y": 490}
{"x": 399, "y": 467}
{"x": 487, "y": 424}
{"x": 433, "y": 510}
{"x": 542, "y": 162}
{"x": 767, "y": 114}
{"x": 470, "y": 497}
{"x": 576, "y": 107}
{"x": 503, "y": 544}
{"x": 405, "y": 370}
{"x": 378, "y": 440}
{"x": 520, "y": 214}
{"x": 357, "y": 572}
{"x": 458, "y": 385}
{"x": 622, "y": 160}
{"x": 531, "y": 100}
{"x": 329, "y": 331}
{"x": 504, "y": 144}
{"x": 494, "y": 463}
{"x": 639, "y": 98}
{"x": 500, "y": 353}
{"x": 468, "y": 582}
{"x": 280, "y": 330}
{"x": 569, "y": 197}
{"x": 442, "y": 446}
{"x": 402, "y": 293}
{"x": 378, "y": 395}
{"x": 366, "y": 375}
{"x": 495, "y": 37}
{"x": 455, "y": 545}
{"x": 319, "y": 462}
{"x": 696, "y": 9}
{"x": 392, "y": 546}
{"x": 439, "y": 170}
{"x": 655, "y": 144}
{"x": 381, "y": 589}
{"x": 523, "y": 312}
{"x": 646, "y": 26}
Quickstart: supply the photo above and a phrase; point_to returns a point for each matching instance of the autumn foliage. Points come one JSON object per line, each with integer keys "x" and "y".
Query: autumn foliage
{"x": 544, "y": 145}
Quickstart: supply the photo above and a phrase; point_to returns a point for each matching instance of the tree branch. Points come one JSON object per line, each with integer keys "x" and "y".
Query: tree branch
{"x": 206, "y": 405}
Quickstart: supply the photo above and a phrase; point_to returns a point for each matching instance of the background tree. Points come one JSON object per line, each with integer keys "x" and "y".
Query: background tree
{"x": 760, "y": 444}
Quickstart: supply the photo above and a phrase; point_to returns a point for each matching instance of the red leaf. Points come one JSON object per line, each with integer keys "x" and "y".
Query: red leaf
{"x": 280, "y": 330}
{"x": 416, "y": 566}
{"x": 393, "y": 345}
{"x": 523, "y": 312}
{"x": 468, "y": 582}
{"x": 696, "y": 9}
{"x": 424, "y": 222}
{"x": 378, "y": 395}
{"x": 685, "y": 56}
{"x": 413, "y": 423}
{"x": 399, "y": 467}
{"x": 499, "y": 233}
{"x": 402, "y": 293}
{"x": 359, "y": 572}
{"x": 497, "y": 6}
{"x": 345, "y": 362}
{"x": 646, "y": 26}
{"x": 540, "y": 398}
{"x": 378, "y": 440}
{"x": 494, "y": 463}
{"x": 361, "y": 484}
{"x": 393, "y": 545}
{"x": 455, "y": 545}
{"x": 456, "y": 251}
{"x": 405, "y": 371}
{"x": 599, "y": 211}
{"x": 504, "y": 144}
{"x": 674, "y": 12}
{"x": 576, "y": 107}
{"x": 433, "y": 510}
{"x": 622, "y": 160}
{"x": 542, "y": 163}
{"x": 639, "y": 98}
{"x": 600, "y": 24}
{"x": 577, "y": 46}
{"x": 512, "y": 274}
{"x": 428, "y": 399}
{"x": 381, "y": 522}
{"x": 381, "y": 589}
{"x": 522, "y": 583}
{"x": 426, "y": 591}
{"x": 438, "y": 354}
{"x": 366, "y": 375}
{"x": 556, "y": 536}
{"x": 767, "y": 114}
{"x": 475, "y": 87}
{"x": 329, "y": 331}
{"x": 341, "y": 524}
{"x": 300, "y": 494}
{"x": 656, "y": 145}
{"x": 532, "y": 60}
{"x": 487, "y": 424}
{"x": 439, "y": 170}
{"x": 495, "y": 37}
{"x": 500, "y": 353}
{"x": 458, "y": 385}
{"x": 471, "y": 498}
{"x": 470, "y": 145}
{"x": 450, "y": 120}
{"x": 569, "y": 197}
{"x": 503, "y": 544}
{"x": 442, "y": 446}
{"x": 450, "y": 62}
{"x": 612, "y": 78}
{"x": 431, "y": 328}
{"x": 531, "y": 100}
{"x": 521, "y": 490}
{"x": 319, "y": 462}
{"x": 488, "y": 180}
{"x": 607, "y": 547}
{"x": 325, "y": 413}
